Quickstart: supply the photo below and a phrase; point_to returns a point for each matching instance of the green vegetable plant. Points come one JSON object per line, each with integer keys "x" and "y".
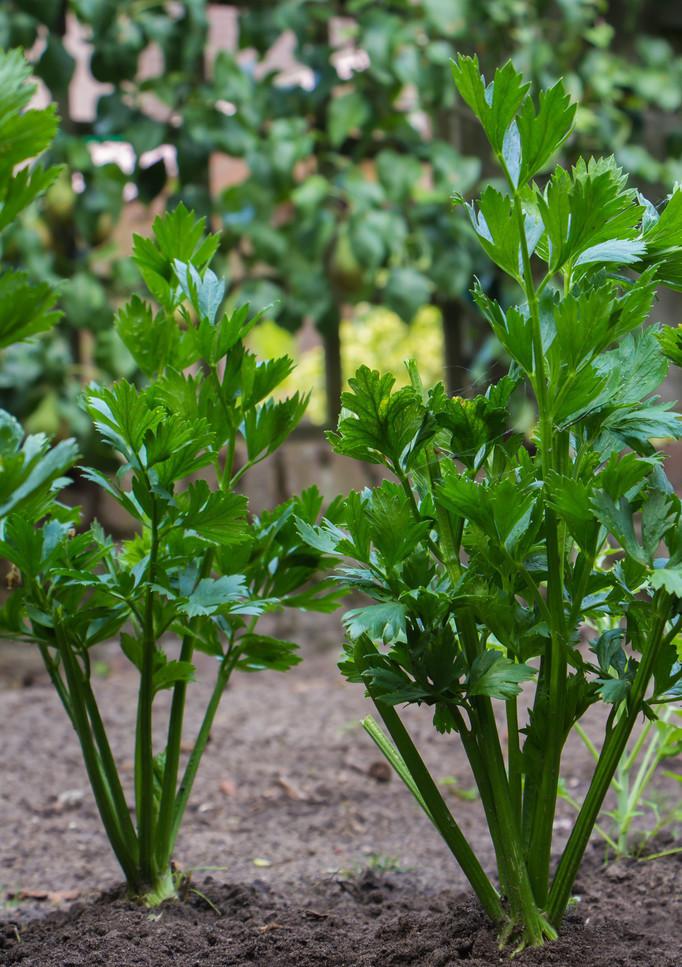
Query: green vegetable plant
{"x": 198, "y": 573}
{"x": 29, "y": 470}
{"x": 481, "y": 557}
{"x": 640, "y": 812}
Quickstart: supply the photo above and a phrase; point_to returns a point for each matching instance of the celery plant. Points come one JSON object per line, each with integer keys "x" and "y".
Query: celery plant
{"x": 481, "y": 557}
{"x": 634, "y": 799}
{"x": 199, "y": 572}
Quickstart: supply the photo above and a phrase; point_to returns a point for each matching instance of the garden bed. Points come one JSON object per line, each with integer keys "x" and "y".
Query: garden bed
{"x": 370, "y": 919}
{"x": 321, "y": 859}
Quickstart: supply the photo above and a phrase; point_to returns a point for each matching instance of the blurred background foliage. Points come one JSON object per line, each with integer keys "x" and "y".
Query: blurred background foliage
{"x": 323, "y": 139}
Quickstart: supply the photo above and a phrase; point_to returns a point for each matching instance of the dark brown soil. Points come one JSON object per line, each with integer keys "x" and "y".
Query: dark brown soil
{"x": 320, "y": 859}
{"x": 628, "y": 916}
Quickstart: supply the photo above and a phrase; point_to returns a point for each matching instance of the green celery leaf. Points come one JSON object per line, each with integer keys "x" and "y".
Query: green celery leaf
{"x": 621, "y": 251}
{"x": 206, "y": 292}
{"x": 665, "y": 231}
{"x": 383, "y": 423}
{"x": 215, "y": 516}
{"x": 669, "y": 578}
{"x": 16, "y": 90}
{"x": 670, "y": 341}
{"x": 543, "y": 132}
{"x": 517, "y": 517}
{"x": 259, "y": 379}
{"x": 172, "y": 672}
{"x": 11, "y": 434}
{"x": 494, "y": 675}
{"x": 212, "y": 594}
{"x": 570, "y": 499}
{"x": 324, "y": 538}
{"x": 609, "y": 651}
{"x": 473, "y": 425}
{"x": 614, "y": 690}
{"x": 123, "y": 416}
{"x": 624, "y": 475}
{"x": 26, "y": 135}
{"x": 34, "y": 473}
{"x": 178, "y": 234}
{"x": 466, "y": 498}
{"x": 393, "y": 529}
{"x": 513, "y": 328}
{"x": 26, "y": 308}
{"x": 497, "y": 229}
{"x": 381, "y": 623}
{"x": 660, "y": 514}
{"x": 495, "y": 104}
{"x": 617, "y": 519}
{"x": 267, "y": 426}
{"x": 586, "y": 207}
{"x": 258, "y": 652}
{"x": 176, "y": 448}
{"x": 154, "y": 341}
{"x": 23, "y": 188}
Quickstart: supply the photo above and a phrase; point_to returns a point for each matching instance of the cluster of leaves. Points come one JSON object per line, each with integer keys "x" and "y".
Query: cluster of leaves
{"x": 29, "y": 470}
{"x": 483, "y": 558}
{"x": 350, "y": 152}
{"x": 199, "y": 569}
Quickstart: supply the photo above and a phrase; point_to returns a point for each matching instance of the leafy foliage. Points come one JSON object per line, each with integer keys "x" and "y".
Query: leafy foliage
{"x": 30, "y": 472}
{"x": 349, "y": 153}
{"x": 199, "y": 572}
{"x": 489, "y": 558}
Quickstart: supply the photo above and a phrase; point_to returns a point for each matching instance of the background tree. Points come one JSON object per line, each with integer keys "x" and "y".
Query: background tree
{"x": 346, "y": 142}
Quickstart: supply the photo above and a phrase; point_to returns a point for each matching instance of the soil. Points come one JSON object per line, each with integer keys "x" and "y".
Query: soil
{"x": 302, "y": 849}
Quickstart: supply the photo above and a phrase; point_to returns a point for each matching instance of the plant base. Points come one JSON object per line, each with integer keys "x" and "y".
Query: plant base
{"x": 164, "y": 889}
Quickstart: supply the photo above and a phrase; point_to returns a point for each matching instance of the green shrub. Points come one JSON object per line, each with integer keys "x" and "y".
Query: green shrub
{"x": 482, "y": 558}
{"x": 199, "y": 572}
{"x": 29, "y": 470}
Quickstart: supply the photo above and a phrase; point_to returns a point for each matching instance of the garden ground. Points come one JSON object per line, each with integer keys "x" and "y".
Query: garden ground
{"x": 318, "y": 856}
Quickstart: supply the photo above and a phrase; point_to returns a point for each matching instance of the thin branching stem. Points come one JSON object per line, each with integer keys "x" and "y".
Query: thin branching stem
{"x": 144, "y": 762}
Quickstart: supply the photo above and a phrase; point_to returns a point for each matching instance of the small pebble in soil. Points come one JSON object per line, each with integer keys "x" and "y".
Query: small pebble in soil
{"x": 380, "y": 771}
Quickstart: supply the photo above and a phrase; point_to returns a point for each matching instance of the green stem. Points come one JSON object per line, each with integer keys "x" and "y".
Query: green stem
{"x": 109, "y": 767}
{"x": 56, "y": 679}
{"x": 144, "y": 750}
{"x": 189, "y": 775}
{"x": 229, "y": 457}
{"x": 249, "y": 465}
{"x": 92, "y": 763}
{"x": 545, "y": 793}
{"x": 611, "y": 754}
{"x": 441, "y": 816}
{"x": 515, "y": 767}
{"x": 572, "y": 801}
{"x": 482, "y": 780}
{"x": 163, "y": 888}
{"x": 174, "y": 742}
{"x": 539, "y": 376}
{"x": 587, "y": 741}
{"x": 394, "y": 759}
{"x": 642, "y": 779}
{"x": 540, "y": 844}
{"x": 658, "y": 856}
{"x": 633, "y": 755}
{"x": 521, "y": 898}
{"x": 514, "y": 871}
